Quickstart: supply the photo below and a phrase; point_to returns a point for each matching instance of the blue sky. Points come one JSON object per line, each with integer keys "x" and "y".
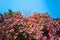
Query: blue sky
{"x": 40, "y": 6}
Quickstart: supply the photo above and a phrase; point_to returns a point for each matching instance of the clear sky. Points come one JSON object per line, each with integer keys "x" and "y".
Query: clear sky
{"x": 40, "y": 6}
